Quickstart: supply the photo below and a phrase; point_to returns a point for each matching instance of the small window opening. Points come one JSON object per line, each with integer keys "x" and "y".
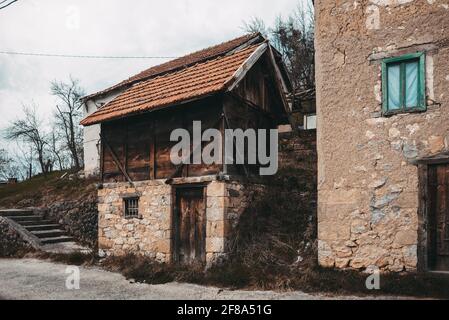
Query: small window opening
{"x": 131, "y": 207}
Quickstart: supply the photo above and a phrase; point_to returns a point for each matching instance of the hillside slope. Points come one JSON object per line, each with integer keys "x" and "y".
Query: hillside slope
{"x": 61, "y": 197}
{"x": 42, "y": 190}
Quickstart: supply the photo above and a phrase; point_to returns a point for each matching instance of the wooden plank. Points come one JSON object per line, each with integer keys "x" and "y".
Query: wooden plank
{"x": 438, "y": 217}
{"x": 101, "y": 155}
{"x": 190, "y": 246}
{"x": 432, "y": 237}
{"x": 282, "y": 86}
{"x": 246, "y": 66}
{"x": 423, "y": 205}
{"x": 152, "y": 152}
{"x": 117, "y": 161}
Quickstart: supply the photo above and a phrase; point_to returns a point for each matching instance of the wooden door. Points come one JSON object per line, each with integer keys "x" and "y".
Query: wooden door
{"x": 190, "y": 225}
{"x": 438, "y": 217}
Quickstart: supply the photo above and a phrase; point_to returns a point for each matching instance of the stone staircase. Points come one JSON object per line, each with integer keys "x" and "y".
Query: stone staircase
{"x": 39, "y": 232}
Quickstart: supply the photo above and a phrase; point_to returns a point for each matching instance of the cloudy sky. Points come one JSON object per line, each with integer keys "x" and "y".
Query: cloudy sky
{"x": 112, "y": 28}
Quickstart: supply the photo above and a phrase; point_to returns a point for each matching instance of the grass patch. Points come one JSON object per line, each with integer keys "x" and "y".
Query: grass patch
{"x": 43, "y": 189}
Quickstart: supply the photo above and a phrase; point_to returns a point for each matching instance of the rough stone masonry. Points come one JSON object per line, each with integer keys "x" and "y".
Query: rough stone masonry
{"x": 151, "y": 234}
{"x": 367, "y": 173}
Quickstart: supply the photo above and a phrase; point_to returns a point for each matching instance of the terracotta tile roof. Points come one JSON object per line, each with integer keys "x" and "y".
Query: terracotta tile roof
{"x": 198, "y": 80}
{"x": 184, "y": 61}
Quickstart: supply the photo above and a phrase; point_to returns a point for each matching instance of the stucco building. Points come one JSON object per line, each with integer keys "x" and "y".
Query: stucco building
{"x": 383, "y": 133}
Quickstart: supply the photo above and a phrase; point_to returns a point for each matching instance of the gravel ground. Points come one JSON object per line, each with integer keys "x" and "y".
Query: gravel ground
{"x": 44, "y": 280}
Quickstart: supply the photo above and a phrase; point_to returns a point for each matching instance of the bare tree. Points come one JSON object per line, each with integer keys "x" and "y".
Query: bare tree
{"x": 293, "y": 37}
{"x": 8, "y": 166}
{"x": 57, "y": 151}
{"x": 23, "y": 156}
{"x": 68, "y": 115}
{"x": 255, "y": 25}
{"x": 4, "y": 164}
{"x": 29, "y": 130}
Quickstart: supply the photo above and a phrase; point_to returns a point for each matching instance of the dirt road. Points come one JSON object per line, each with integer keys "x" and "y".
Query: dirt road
{"x": 37, "y": 279}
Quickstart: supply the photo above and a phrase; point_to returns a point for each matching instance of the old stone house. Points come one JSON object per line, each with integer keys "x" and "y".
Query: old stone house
{"x": 383, "y": 133}
{"x": 181, "y": 213}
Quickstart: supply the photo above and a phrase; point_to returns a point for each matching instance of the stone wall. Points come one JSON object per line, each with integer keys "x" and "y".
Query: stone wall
{"x": 367, "y": 179}
{"x": 151, "y": 234}
{"x": 11, "y": 242}
{"x": 78, "y": 217}
{"x": 297, "y": 149}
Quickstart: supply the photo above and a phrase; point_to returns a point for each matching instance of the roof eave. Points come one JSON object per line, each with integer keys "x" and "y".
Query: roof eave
{"x": 86, "y": 123}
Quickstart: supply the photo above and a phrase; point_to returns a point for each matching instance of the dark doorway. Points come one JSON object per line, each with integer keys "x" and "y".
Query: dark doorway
{"x": 189, "y": 225}
{"x": 438, "y": 218}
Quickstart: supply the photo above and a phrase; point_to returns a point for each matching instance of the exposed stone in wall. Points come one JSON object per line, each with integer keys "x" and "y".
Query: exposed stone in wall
{"x": 226, "y": 201}
{"x": 11, "y": 243}
{"x": 368, "y": 180}
{"x": 298, "y": 150}
{"x": 151, "y": 234}
{"x": 79, "y": 218}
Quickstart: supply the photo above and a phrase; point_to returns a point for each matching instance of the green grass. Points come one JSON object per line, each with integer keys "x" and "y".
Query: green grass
{"x": 29, "y": 186}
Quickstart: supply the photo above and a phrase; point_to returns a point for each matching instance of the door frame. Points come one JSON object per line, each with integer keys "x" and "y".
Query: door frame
{"x": 424, "y": 241}
{"x": 174, "y": 215}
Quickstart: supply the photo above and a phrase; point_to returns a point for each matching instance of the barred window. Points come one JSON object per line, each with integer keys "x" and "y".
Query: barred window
{"x": 131, "y": 207}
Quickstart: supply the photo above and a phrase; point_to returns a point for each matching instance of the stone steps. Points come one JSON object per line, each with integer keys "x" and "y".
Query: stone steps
{"x": 56, "y": 239}
{"x": 35, "y": 222}
{"x": 49, "y": 233}
{"x": 40, "y": 227}
{"x": 15, "y": 212}
{"x": 42, "y": 230}
{"x": 26, "y": 218}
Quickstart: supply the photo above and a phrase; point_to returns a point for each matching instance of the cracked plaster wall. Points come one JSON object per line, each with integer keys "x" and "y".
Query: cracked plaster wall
{"x": 367, "y": 182}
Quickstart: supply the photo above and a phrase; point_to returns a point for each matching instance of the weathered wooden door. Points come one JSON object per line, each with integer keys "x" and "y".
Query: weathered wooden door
{"x": 438, "y": 231}
{"x": 190, "y": 225}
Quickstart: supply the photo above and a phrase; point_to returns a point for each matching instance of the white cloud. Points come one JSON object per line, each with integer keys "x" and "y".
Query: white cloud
{"x": 108, "y": 27}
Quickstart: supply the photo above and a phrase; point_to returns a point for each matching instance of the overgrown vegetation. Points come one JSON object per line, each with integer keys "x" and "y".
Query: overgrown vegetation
{"x": 293, "y": 37}
{"x": 275, "y": 249}
{"x": 74, "y": 258}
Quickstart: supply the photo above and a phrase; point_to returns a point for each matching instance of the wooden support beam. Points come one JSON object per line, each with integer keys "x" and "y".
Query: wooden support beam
{"x": 229, "y": 126}
{"x": 101, "y": 155}
{"x": 153, "y": 150}
{"x": 252, "y": 105}
{"x": 246, "y": 66}
{"x": 180, "y": 166}
{"x": 116, "y": 159}
{"x": 282, "y": 86}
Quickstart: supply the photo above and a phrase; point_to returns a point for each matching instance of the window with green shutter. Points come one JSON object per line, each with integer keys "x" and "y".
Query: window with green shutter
{"x": 403, "y": 84}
